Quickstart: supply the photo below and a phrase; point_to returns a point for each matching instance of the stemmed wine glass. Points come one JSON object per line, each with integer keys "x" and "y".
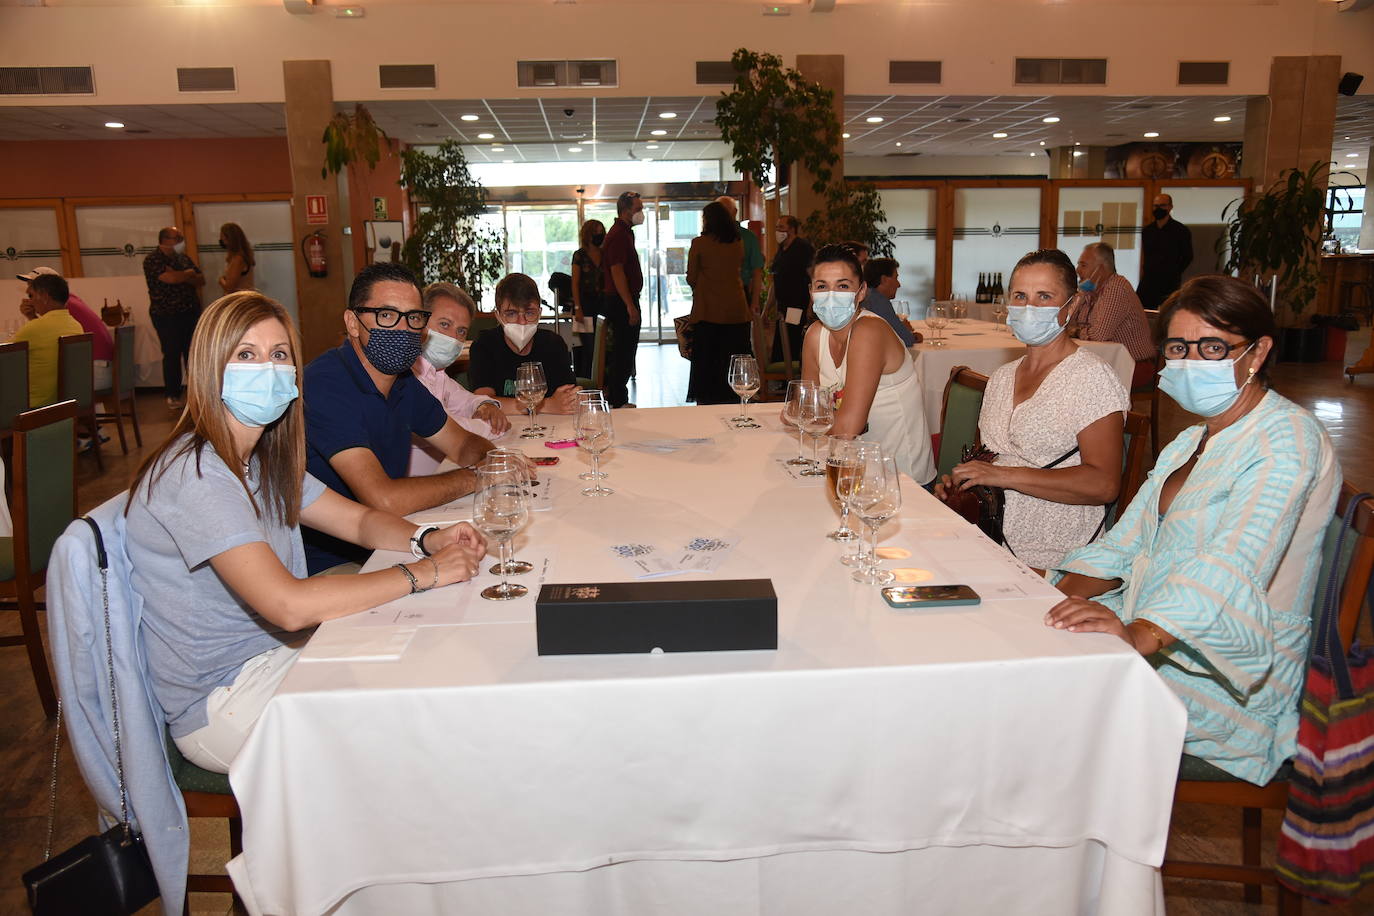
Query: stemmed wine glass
{"x": 876, "y": 496}
{"x": 792, "y": 411}
{"x": 744, "y": 379}
{"x": 999, "y": 312}
{"x": 840, "y": 474}
{"x": 530, "y": 387}
{"x": 584, "y": 397}
{"x": 596, "y": 433}
{"x": 500, "y": 508}
{"x": 816, "y": 417}
{"x": 937, "y": 320}
{"x": 510, "y": 459}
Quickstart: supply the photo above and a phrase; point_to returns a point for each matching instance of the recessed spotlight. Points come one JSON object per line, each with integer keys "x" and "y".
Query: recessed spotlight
{"x": 651, "y": 146}
{"x": 1222, "y": 119}
{"x": 1076, "y": 143}
{"x": 1078, "y": 152}
{"x": 574, "y": 149}
{"x": 467, "y": 117}
{"x": 667, "y": 115}
{"x": 486, "y": 136}
{"x": 590, "y": 142}
{"x": 1347, "y": 155}
{"x": 846, "y": 137}
{"x": 1042, "y": 142}
{"x": 874, "y": 119}
{"x": 899, "y": 142}
{"x": 658, "y": 133}
{"x": 1000, "y": 135}
{"x": 114, "y": 125}
{"x": 1050, "y": 120}
{"x": 498, "y": 149}
{"x": 1151, "y": 133}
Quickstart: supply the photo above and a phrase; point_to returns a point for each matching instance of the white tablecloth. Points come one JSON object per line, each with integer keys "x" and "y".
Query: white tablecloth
{"x": 981, "y": 347}
{"x": 964, "y": 760}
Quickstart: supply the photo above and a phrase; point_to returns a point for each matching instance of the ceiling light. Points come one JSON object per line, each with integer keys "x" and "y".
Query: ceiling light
{"x": 467, "y": 117}
{"x": 1076, "y": 143}
{"x": 899, "y": 142}
{"x": 874, "y": 119}
{"x": 574, "y": 149}
{"x": 1078, "y": 152}
{"x": 114, "y": 125}
{"x": 1050, "y": 120}
{"x": 1222, "y": 119}
{"x": 1347, "y": 155}
{"x": 486, "y": 136}
{"x": 590, "y": 142}
{"x": 1042, "y": 142}
{"x": 1152, "y": 133}
{"x": 658, "y": 133}
{"x": 1000, "y": 135}
{"x": 498, "y": 149}
{"x": 651, "y": 146}
{"x": 846, "y": 137}
{"x": 667, "y": 115}
{"x": 349, "y": 12}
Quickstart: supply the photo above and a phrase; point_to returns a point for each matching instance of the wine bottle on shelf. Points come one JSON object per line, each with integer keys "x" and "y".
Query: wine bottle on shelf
{"x": 997, "y": 289}
{"x": 981, "y": 292}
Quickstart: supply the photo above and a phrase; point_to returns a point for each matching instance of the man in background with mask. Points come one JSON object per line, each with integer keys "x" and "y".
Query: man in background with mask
{"x": 1108, "y": 309}
{"x": 1166, "y": 248}
{"x": 791, "y": 289}
{"x": 363, "y": 404}
{"x": 174, "y": 282}
{"x": 498, "y": 353}
{"x": 623, "y": 282}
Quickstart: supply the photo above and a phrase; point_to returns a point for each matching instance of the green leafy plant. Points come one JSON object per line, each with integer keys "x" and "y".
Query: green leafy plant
{"x": 853, "y": 212}
{"x": 774, "y": 116}
{"x": 447, "y": 242}
{"x": 350, "y": 138}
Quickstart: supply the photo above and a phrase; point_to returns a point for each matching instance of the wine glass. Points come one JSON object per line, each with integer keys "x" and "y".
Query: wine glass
{"x": 816, "y": 417}
{"x": 937, "y": 320}
{"x": 584, "y": 397}
{"x": 839, "y": 478}
{"x": 529, "y": 390}
{"x": 513, "y": 460}
{"x": 744, "y": 379}
{"x": 958, "y": 311}
{"x": 500, "y": 508}
{"x": 596, "y": 433}
{"x": 792, "y": 411}
{"x": 999, "y": 312}
{"x": 876, "y": 496}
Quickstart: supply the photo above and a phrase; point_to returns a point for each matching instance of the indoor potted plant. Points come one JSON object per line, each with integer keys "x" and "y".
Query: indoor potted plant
{"x": 446, "y": 241}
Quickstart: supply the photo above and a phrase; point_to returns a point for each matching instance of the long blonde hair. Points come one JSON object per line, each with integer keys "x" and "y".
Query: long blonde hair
{"x": 280, "y": 449}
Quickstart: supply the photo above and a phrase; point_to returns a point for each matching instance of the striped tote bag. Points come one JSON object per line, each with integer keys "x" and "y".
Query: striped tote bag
{"x": 1326, "y": 846}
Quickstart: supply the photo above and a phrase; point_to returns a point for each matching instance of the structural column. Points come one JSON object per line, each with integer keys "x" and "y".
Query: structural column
{"x": 309, "y": 106}
{"x": 826, "y": 70}
{"x": 1292, "y": 126}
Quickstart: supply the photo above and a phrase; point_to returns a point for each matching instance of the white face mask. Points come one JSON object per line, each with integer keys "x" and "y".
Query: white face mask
{"x": 637, "y": 218}
{"x": 519, "y": 334}
{"x": 180, "y": 247}
{"x": 782, "y": 236}
{"x": 441, "y": 350}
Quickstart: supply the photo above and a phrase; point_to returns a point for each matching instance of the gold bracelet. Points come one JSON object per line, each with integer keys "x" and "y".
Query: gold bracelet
{"x": 1155, "y": 631}
{"x": 435, "y": 564}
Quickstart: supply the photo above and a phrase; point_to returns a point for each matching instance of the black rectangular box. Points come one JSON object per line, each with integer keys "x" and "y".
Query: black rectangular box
{"x": 699, "y": 616}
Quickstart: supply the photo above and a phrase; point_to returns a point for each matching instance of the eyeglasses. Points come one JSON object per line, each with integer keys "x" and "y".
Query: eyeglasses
{"x": 1207, "y": 347}
{"x": 529, "y": 312}
{"x": 389, "y": 318}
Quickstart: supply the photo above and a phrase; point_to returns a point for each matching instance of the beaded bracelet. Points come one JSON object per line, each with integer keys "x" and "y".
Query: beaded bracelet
{"x": 414, "y": 585}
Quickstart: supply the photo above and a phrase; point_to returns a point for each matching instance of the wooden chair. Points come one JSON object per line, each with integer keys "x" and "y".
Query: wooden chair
{"x": 120, "y": 396}
{"x": 207, "y": 794}
{"x": 14, "y": 383}
{"x": 762, "y": 332}
{"x": 1151, "y": 388}
{"x": 76, "y": 382}
{"x": 598, "y": 376}
{"x": 44, "y": 504}
{"x": 1132, "y": 463}
{"x": 959, "y": 409}
{"x": 1200, "y": 783}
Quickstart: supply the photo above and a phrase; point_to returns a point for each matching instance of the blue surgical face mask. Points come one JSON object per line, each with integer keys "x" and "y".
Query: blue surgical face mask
{"x": 834, "y": 308}
{"x": 1205, "y": 387}
{"x": 441, "y": 350}
{"x": 1034, "y": 325}
{"x": 392, "y": 351}
{"x": 258, "y": 393}
{"x": 1087, "y": 285}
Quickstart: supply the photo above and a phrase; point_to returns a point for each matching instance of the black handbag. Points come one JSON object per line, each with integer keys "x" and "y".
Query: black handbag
{"x": 105, "y": 875}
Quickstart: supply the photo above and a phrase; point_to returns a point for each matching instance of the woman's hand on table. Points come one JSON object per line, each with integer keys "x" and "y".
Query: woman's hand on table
{"x": 494, "y": 416}
{"x": 1079, "y": 615}
{"x": 457, "y": 552}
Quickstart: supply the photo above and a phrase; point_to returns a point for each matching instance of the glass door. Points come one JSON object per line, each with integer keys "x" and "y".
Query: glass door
{"x": 677, "y": 223}
{"x": 267, "y": 224}
{"x": 1110, "y": 214}
{"x": 993, "y": 228}
{"x": 540, "y": 241}
{"x": 115, "y": 240}
{"x": 911, "y": 226}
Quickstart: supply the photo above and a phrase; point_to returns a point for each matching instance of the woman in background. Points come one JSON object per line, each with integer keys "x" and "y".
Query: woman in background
{"x": 586, "y": 291}
{"x": 238, "y": 261}
{"x": 720, "y": 314}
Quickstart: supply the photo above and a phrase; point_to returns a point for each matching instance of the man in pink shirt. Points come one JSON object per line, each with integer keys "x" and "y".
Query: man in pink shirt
{"x": 102, "y": 342}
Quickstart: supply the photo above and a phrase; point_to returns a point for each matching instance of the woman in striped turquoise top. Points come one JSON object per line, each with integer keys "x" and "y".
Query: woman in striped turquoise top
{"x": 1210, "y": 572}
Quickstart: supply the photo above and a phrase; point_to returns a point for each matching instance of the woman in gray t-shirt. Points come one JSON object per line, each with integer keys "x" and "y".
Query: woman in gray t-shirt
{"x": 214, "y": 534}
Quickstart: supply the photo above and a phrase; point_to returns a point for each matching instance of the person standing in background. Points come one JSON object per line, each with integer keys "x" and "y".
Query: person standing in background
{"x": 102, "y": 342}
{"x": 791, "y": 289}
{"x": 587, "y": 284}
{"x": 238, "y": 261}
{"x": 174, "y": 282}
{"x": 720, "y": 315}
{"x": 623, "y": 281}
{"x": 751, "y": 271}
{"x": 1166, "y": 248}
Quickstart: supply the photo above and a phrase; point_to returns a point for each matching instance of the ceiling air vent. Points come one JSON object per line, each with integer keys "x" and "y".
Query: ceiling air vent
{"x": 913, "y": 71}
{"x": 1204, "y": 72}
{"x": 46, "y": 81}
{"x": 1061, "y": 71}
{"x": 406, "y": 76}
{"x": 206, "y": 79}
{"x": 573, "y": 74}
{"x": 715, "y": 73}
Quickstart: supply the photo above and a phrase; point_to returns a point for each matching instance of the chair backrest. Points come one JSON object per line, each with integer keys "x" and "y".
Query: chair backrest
{"x": 1137, "y": 440}
{"x": 75, "y": 371}
{"x": 14, "y": 382}
{"x": 963, "y": 401}
{"x": 125, "y": 372}
{"x": 1356, "y": 562}
{"x": 44, "y": 482}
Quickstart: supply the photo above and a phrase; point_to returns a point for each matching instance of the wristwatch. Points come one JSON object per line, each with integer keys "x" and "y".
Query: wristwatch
{"x": 417, "y": 541}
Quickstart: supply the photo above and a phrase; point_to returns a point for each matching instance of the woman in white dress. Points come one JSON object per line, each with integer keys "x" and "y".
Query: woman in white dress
{"x": 1054, "y": 417}
{"x": 856, "y": 355}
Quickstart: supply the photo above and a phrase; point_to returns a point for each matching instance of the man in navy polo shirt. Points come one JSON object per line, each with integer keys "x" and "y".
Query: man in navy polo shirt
{"x": 362, "y": 404}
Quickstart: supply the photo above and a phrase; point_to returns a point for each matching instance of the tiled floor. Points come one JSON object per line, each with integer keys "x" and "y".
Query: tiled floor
{"x": 1347, "y": 410}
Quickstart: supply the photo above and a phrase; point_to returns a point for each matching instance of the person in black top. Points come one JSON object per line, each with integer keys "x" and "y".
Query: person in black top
{"x": 498, "y": 352}
{"x": 174, "y": 283}
{"x": 791, "y": 293}
{"x": 587, "y": 284}
{"x": 1166, "y": 251}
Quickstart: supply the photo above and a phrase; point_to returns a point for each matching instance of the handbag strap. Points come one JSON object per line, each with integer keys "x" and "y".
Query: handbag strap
{"x": 1062, "y": 458}
{"x": 1328, "y": 637}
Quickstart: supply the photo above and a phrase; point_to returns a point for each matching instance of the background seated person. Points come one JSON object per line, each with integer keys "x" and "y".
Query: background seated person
{"x": 1210, "y": 572}
{"x": 215, "y": 544}
{"x": 854, "y": 354}
{"x": 498, "y": 352}
{"x": 1111, "y": 310}
{"x": 362, "y": 405}
{"x": 1057, "y": 405}
{"x": 46, "y": 309}
{"x": 880, "y": 278}
{"x": 102, "y": 341}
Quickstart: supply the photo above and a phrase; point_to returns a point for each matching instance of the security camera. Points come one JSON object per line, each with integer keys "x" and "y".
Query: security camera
{"x": 568, "y": 112}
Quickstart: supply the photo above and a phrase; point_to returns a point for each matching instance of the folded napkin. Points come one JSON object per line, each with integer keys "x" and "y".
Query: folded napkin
{"x": 358, "y": 644}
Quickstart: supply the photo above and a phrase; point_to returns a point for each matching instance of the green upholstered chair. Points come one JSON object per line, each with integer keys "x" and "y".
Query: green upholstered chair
{"x": 598, "y": 377}
{"x": 44, "y": 504}
{"x": 959, "y": 409}
{"x": 207, "y": 794}
{"x": 1201, "y": 783}
{"x": 76, "y": 382}
{"x": 120, "y": 396}
{"x": 762, "y": 332}
{"x": 14, "y": 383}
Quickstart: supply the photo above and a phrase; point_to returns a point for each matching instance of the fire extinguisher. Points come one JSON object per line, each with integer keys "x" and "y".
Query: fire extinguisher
{"x": 312, "y": 249}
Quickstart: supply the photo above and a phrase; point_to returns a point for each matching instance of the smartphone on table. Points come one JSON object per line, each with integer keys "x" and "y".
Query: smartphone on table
{"x": 915, "y": 597}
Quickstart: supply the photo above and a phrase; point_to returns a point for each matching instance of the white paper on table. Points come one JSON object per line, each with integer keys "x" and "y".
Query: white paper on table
{"x": 793, "y": 316}
{"x": 705, "y": 553}
{"x": 956, "y": 556}
{"x": 454, "y": 605}
{"x": 357, "y": 645}
{"x": 664, "y": 446}
{"x": 459, "y": 510}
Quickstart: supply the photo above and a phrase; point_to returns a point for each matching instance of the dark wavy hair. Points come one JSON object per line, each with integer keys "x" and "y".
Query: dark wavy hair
{"x": 716, "y": 223}
{"x": 842, "y": 252}
{"x": 1053, "y": 257}
{"x": 1226, "y": 303}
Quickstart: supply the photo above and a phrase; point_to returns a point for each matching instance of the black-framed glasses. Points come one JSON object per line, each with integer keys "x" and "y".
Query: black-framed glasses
{"x": 1207, "y": 347}
{"x": 389, "y": 317}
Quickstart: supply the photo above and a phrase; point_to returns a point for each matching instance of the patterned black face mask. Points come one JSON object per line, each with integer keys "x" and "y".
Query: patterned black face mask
{"x": 392, "y": 351}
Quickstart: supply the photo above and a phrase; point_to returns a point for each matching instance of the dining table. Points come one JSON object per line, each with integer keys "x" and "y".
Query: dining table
{"x": 424, "y": 758}
{"x": 984, "y": 346}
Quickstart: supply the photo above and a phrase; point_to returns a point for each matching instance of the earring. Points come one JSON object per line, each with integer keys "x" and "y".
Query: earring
{"x": 1252, "y": 370}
